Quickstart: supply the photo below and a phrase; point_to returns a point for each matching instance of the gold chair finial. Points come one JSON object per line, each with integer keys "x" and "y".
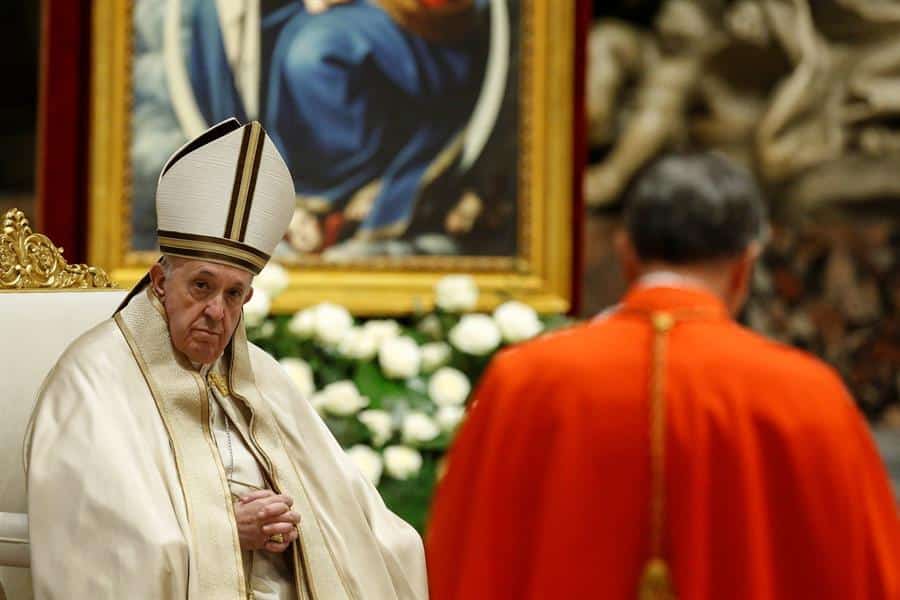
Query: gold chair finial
{"x": 30, "y": 260}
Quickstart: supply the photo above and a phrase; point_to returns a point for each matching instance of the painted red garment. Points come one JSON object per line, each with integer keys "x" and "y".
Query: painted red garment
{"x": 774, "y": 487}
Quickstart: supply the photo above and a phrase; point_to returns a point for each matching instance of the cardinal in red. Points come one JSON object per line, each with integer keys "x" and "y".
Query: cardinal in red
{"x": 662, "y": 450}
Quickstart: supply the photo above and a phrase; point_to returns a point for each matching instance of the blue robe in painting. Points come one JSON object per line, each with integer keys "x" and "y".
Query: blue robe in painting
{"x": 349, "y": 97}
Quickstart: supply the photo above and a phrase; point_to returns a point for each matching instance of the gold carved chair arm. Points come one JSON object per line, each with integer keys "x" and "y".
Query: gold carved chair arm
{"x": 29, "y": 260}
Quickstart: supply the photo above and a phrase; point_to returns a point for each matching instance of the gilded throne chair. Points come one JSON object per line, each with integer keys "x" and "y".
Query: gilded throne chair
{"x": 45, "y": 303}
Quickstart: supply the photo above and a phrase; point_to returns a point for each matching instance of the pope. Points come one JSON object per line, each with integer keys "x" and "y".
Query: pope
{"x": 168, "y": 457}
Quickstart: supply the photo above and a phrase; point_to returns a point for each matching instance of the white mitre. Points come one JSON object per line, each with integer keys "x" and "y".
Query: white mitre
{"x": 226, "y": 196}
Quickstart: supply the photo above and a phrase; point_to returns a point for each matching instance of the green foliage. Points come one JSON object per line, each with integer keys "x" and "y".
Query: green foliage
{"x": 429, "y": 436}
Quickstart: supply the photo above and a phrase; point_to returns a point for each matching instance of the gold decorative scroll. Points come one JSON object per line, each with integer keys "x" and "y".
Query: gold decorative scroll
{"x": 30, "y": 260}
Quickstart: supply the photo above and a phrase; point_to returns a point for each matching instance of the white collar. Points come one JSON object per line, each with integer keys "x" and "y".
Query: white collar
{"x": 671, "y": 279}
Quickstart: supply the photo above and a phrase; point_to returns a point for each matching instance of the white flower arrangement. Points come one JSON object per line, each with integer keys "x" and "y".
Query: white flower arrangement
{"x": 367, "y": 461}
{"x": 449, "y": 387}
{"x": 300, "y": 373}
{"x": 456, "y": 293}
{"x": 331, "y": 323}
{"x": 382, "y": 330}
{"x": 402, "y": 462}
{"x": 303, "y": 324}
{"x": 273, "y": 279}
{"x": 418, "y": 428}
{"x": 256, "y": 309}
{"x": 359, "y": 344}
{"x": 449, "y": 417}
{"x": 380, "y": 425}
{"x": 476, "y": 334}
{"x": 517, "y": 321}
{"x": 435, "y": 355}
{"x": 393, "y": 392}
{"x": 400, "y": 358}
{"x": 342, "y": 399}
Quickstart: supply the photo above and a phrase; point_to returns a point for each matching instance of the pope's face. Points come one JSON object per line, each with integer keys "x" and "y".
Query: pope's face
{"x": 203, "y": 302}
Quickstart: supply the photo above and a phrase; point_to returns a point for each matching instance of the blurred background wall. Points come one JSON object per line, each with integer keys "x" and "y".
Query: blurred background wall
{"x": 807, "y": 95}
{"x": 20, "y": 32}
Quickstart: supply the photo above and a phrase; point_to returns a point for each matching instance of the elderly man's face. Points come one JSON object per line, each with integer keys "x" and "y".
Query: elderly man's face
{"x": 203, "y": 302}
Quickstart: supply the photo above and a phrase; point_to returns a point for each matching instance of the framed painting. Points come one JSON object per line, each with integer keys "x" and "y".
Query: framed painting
{"x": 425, "y": 137}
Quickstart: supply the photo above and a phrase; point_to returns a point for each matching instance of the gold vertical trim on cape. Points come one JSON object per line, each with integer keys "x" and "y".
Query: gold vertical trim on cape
{"x": 656, "y": 580}
{"x": 244, "y": 430}
{"x": 323, "y": 575}
{"x": 245, "y": 176}
{"x": 181, "y": 397}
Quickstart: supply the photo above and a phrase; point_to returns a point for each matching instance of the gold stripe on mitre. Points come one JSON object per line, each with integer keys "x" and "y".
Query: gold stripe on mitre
{"x": 202, "y": 247}
{"x": 247, "y": 171}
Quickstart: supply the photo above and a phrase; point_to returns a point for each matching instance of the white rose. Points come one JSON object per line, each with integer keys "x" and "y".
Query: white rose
{"x": 449, "y": 387}
{"x": 257, "y": 308}
{"x": 367, "y": 461}
{"x": 456, "y": 293}
{"x": 517, "y": 321}
{"x": 303, "y": 324}
{"x": 342, "y": 398}
{"x": 358, "y": 344}
{"x": 273, "y": 279}
{"x": 300, "y": 374}
{"x": 332, "y": 322}
{"x": 379, "y": 423}
{"x": 318, "y": 401}
{"x": 419, "y": 427}
{"x": 400, "y": 358}
{"x": 475, "y": 334}
{"x": 267, "y": 329}
{"x": 434, "y": 355}
{"x": 382, "y": 330}
{"x": 402, "y": 462}
{"x": 449, "y": 417}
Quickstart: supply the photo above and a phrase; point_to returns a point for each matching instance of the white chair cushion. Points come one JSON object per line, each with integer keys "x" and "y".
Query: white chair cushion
{"x": 36, "y": 327}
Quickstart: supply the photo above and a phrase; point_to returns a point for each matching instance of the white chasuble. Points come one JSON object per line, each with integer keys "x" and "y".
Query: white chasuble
{"x": 128, "y": 496}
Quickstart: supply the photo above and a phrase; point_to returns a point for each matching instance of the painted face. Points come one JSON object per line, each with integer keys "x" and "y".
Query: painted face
{"x": 203, "y": 302}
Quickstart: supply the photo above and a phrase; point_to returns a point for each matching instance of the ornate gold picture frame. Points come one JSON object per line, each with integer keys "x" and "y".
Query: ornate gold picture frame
{"x": 538, "y": 266}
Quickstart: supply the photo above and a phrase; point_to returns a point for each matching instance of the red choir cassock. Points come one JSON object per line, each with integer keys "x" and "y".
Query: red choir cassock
{"x": 664, "y": 434}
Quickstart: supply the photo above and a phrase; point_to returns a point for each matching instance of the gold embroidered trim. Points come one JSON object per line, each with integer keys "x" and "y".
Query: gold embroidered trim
{"x": 195, "y": 248}
{"x": 219, "y": 383}
{"x": 143, "y": 325}
{"x": 245, "y": 182}
{"x": 324, "y": 579}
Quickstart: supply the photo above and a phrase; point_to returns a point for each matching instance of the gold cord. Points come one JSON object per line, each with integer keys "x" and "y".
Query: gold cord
{"x": 656, "y": 581}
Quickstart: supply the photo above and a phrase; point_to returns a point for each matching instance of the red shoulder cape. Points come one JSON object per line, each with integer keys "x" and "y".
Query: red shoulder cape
{"x": 774, "y": 487}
